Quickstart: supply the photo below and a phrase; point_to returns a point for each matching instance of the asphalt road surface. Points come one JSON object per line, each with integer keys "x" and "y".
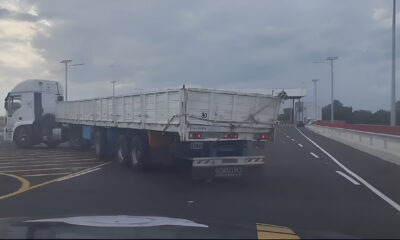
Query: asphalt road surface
{"x": 321, "y": 190}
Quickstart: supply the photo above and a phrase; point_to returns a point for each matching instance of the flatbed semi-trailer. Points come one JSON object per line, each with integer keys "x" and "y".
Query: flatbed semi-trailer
{"x": 219, "y": 133}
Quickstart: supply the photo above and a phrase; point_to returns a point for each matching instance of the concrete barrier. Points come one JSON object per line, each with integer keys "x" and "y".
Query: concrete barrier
{"x": 384, "y": 146}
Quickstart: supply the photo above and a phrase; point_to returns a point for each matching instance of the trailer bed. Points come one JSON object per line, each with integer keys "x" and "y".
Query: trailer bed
{"x": 177, "y": 110}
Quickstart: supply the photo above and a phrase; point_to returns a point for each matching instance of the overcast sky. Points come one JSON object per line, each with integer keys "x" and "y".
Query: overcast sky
{"x": 212, "y": 44}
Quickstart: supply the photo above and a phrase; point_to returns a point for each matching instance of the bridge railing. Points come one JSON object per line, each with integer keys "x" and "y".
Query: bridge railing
{"x": 385, "y": 146}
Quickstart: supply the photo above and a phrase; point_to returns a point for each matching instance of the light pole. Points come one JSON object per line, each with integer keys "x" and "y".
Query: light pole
{"x": 66, "y": 74}
{"x": 66, "y": 62}
{"x": 393, "y": 95}
{"x": 329, "y": 60}
{"x": 315, "y": 97}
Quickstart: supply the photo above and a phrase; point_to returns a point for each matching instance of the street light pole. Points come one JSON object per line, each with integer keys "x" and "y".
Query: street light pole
{"x": 331, "y": 59}
{"x": 393, "y": 95}
{"x": 315, "y": 97}
{"x": 66, "y": 76}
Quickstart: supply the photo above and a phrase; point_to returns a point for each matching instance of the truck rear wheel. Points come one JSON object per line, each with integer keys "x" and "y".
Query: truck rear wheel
{"x": 24, "y": 137}
{"x": 100, "y": 141}
{"x": 122, "y": 151}
{"x": 139, "y": 155}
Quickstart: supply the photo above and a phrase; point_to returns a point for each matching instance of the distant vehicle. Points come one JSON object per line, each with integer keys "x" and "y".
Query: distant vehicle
{"x": 220, "y": 133}
{"x": 300, "y": 124}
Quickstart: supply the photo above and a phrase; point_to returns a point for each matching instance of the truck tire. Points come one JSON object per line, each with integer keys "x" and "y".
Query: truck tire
{"x": 122, "y": 151}
{"x": 139, "y": 157}
{"x": 100, "y": 143}
{"x": 23, "y": 137}
{"x": 75, "y": 139}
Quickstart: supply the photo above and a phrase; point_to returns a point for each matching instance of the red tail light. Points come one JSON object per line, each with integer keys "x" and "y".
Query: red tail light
{"x": 231, "y": 135}
{"x": 193, "y": 135}
{"x": 264, "y": 136}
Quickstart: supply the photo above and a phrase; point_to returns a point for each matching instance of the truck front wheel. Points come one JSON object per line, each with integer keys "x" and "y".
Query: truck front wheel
{"x": 24, "y": 137}
{"x": 122, "y": 151}
{"x": 139, "y": 155}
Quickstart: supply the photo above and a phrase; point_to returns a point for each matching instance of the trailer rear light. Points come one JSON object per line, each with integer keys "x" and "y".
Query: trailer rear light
{"x": 193, "y": 135}
{"x": 264, "y": 136}
{"x": 231, "y": 135}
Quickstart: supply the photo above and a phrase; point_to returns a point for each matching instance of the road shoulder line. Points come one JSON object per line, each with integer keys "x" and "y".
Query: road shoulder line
{"x": 360, "y": 179}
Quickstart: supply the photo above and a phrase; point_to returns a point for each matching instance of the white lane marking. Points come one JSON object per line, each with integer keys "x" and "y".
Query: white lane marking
{"x": 43, "y": 169}
{"x": 34, "y": 157}
{"x": 292, "y": 140}
{"x": 300, "y": 145}
{"x": 60, "y": 154}
{"x": 314, "y": 155}
{"x": 50, "y": 161}
{"x": 44, "y": 165}
{"x": 79, "y": 174}
{"x": 46, "y": 174}
{"x": 360, "y": 179}
{"x": 348, "y": 177}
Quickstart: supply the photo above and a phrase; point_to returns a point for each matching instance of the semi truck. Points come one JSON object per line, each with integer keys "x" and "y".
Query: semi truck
{"x": 219, "y": 133}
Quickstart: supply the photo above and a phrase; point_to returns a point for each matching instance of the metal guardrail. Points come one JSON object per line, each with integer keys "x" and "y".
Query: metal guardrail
{"x": 385, "y": 146}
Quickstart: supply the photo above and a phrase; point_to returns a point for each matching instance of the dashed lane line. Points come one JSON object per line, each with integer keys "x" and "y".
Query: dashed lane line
{"x": 300, "y": 145}
{"x": 360, "y": 179}
{"x": 293, "y": 140}
{"x": 314, "y": 155}
{"x": 348, "y": 178}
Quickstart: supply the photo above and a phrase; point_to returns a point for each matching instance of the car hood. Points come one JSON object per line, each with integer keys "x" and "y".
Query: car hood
{"x": 118, "y": 226}
{"x": 128, "y": 226}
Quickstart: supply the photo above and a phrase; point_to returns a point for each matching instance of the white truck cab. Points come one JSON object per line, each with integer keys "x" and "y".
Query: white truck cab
{"x": 30, "y": 106}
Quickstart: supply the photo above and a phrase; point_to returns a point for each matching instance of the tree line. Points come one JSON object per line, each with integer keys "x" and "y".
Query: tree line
{"x": 346, "y": 113}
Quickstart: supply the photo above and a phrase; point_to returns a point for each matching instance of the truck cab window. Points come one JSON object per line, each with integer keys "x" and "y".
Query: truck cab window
{"x": 13, "y": 103}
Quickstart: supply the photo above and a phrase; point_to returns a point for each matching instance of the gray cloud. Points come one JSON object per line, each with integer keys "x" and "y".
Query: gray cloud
{"x": 8, "y": 14}
{"x": 221, "y": 44}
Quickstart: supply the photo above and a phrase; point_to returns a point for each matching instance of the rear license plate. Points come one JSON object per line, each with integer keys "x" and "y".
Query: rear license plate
{"x": 228, "y": 171}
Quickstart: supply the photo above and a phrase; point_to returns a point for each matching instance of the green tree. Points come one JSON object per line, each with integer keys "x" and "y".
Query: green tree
{"x": 362, "y": 116}
{"x": 380, "y": 117}
{"x": 340, "y": 112}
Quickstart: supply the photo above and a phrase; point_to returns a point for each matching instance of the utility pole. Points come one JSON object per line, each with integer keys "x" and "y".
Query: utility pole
{"x": 393, "y": 95}
{"x": 315, "y": 97}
